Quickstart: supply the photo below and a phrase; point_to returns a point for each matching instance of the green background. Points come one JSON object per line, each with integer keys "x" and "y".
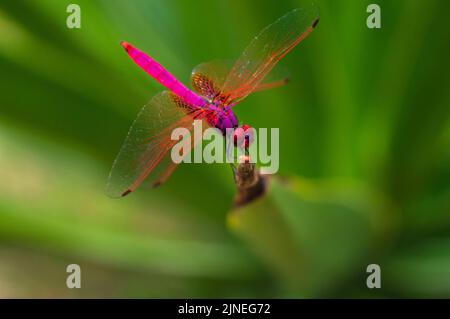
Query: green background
{"x": 364, "y": 142}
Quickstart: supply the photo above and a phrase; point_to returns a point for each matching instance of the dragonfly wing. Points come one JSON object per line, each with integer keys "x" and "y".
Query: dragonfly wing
{"x": 145, "y": 154}
{"x": 278, "y": 76}
{"x": 266, "y": 49}
{"x": 208, "y": 78}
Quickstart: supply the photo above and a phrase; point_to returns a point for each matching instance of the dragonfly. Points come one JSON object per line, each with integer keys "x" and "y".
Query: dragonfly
{"x": 216, "y": 88}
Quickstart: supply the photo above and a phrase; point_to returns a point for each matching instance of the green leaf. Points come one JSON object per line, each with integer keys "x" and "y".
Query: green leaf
{"x": 312, "y": 234}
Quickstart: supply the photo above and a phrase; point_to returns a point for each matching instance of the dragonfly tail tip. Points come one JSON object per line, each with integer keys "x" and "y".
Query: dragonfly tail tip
{"x": 125, "y": 45}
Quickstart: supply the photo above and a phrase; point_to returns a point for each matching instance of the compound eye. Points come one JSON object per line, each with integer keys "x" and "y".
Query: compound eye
{"x": 243, "y": 136}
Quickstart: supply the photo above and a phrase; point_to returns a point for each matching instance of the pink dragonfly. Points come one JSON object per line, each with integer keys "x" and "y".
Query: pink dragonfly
{"x": 217, "y": 89}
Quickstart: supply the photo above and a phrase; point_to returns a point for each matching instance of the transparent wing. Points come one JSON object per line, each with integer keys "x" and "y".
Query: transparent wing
{"x": 208, "y": 78}
{"x": 145, "y": 153}
{"x": 278, "y": 76}
{"x": 266, "y": 49}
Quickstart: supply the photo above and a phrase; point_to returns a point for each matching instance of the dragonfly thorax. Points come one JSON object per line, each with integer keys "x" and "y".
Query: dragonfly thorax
{"x": 222, "y": 118}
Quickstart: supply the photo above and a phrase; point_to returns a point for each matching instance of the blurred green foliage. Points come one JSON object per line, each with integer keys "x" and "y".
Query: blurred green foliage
{"x": 364, "y": 121}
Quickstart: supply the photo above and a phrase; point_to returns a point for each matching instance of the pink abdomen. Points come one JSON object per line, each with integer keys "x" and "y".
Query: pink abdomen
{"x": 160, "y": 74}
